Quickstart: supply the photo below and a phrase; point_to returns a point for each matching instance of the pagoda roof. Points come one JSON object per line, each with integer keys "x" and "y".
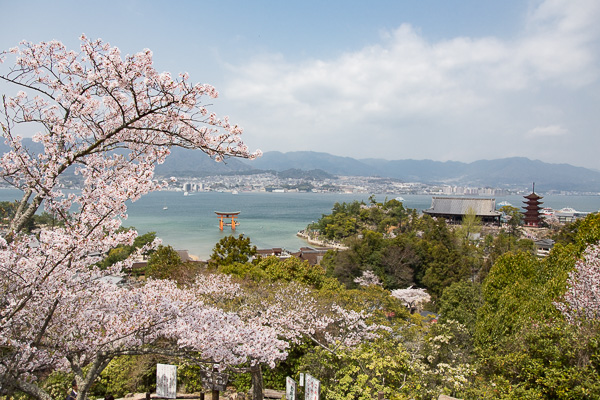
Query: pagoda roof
{"x": 533, "y": 196}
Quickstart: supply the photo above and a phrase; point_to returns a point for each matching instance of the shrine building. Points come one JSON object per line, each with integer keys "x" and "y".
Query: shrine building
{"x": 453, "y": 209}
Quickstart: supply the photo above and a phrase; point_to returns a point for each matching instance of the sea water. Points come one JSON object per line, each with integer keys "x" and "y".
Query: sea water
{"x": 268, "y": 219}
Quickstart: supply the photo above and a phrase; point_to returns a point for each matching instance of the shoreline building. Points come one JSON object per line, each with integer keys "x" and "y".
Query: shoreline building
{"x": 454, "y": 209}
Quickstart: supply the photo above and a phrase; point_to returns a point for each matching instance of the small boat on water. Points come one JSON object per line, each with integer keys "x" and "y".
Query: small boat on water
{"x": 400, "y": 199}
{"x": 504, "y": 203}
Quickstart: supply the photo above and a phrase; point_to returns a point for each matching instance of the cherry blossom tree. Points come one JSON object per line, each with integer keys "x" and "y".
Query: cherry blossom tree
{"x": 296, "y": 313}
{"x": 368, "y": 278}
{"x": 109, "y": 120}
{"x": 581, "y": 302}
{"x": 413, "y": 298}
{"x": 107, "y": 321}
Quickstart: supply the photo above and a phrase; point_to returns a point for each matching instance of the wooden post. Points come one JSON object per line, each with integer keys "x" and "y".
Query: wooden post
{"x": 202, "y": 396}
{"x": 379, "y": 395}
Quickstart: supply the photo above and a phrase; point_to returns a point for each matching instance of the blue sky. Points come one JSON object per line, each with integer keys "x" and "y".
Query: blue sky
{"x": 441, "y": 80}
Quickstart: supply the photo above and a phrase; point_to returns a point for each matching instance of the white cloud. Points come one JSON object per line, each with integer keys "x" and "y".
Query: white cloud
{"x": 547, "y": 131}
{"x": 560, "y": 41}
{"x": 438, "y": 99}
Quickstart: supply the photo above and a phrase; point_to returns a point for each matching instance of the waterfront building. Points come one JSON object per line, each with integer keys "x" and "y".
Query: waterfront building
{"x": 275, "y": 251}
{"x": 568, "y": 214}
{"x": 454, "y": 209}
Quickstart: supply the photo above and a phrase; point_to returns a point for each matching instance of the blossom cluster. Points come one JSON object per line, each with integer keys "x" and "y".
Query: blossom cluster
{"x": 108, "y": 120}
{"x": 411, "y": 297}
{"x": 368, "y": 278}
{"x": 581, "y": 302}
{"x": 296, "y": 313}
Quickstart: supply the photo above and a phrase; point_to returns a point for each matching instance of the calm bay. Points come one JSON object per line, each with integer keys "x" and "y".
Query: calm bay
{"x": 269, "y": 219}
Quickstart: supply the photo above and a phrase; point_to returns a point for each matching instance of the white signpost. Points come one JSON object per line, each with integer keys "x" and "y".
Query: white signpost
{"x": 166, "y": 381}
{"x": 312, "y": 387}
{"x": 290, "y": 388}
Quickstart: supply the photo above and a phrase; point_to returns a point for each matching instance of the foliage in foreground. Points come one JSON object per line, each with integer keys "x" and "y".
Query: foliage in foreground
{"x": 502, "y": 339}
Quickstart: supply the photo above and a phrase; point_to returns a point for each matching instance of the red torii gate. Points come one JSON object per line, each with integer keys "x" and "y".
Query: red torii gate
{"x": 223, "y": 214}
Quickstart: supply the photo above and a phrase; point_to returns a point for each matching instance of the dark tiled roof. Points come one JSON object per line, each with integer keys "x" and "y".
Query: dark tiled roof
{"x": 545, "y": 243}
{"x": 461, "y": 205}
{"x": 270, "y": 252}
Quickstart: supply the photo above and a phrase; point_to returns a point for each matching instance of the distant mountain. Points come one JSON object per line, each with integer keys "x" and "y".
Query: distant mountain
{"x": 310, "y": 175}
{"x": 185, "y": 162}
{"x": 515, "y": 171}
{"x": 417, "y": 170}
{"x": 506, "y": 172}
{"x": 308, "y": 160}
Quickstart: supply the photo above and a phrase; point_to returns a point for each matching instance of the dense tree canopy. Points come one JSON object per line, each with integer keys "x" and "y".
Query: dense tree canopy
{"x": 526, "y": 327}
{"x": 230, "y": 250}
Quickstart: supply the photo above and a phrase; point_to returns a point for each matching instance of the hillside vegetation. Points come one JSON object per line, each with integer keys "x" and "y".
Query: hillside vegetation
{"x": 508, "y": 326}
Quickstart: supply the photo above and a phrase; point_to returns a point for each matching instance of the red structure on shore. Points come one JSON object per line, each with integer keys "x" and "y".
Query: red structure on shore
{"x": 532, "y": 216}
{"x": 222, "y": 215}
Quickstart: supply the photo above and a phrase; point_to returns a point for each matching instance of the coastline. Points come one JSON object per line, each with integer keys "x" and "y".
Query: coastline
{"x": 318, "y": 242}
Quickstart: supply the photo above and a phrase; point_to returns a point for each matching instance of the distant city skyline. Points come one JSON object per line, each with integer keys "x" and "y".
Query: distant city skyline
{"x": 451, "y": 80}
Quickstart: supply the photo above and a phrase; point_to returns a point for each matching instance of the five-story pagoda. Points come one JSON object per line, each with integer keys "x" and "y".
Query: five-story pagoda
{"x": 532, "y": 216}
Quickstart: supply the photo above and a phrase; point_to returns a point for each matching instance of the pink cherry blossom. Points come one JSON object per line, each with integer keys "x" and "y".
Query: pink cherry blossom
{"x": 581, "y": 303}
{"x": 412, "y": 298}
{"x": 368, "y": 278}
{"x": 108, "y": 119}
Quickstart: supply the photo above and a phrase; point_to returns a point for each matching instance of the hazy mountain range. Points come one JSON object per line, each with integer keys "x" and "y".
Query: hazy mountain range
{"x": 506, "y": 172}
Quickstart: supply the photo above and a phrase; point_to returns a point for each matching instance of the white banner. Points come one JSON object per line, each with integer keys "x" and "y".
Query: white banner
{"x": 312, "y": 388}
{"x": 290, "y": 388}
{"x": 166, "y": 381}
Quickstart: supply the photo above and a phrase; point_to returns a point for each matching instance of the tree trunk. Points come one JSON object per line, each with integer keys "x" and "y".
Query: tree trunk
{"x": 24, "y": 213}
{"x": 33, "y": 390}
{"x": 257, "y": 382}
